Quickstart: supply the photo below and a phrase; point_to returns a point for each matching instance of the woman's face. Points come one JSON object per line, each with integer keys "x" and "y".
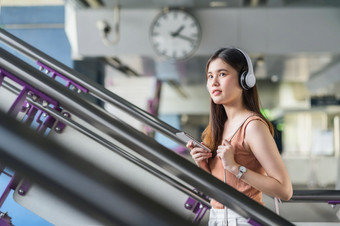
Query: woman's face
{"x": 223, "y": 82}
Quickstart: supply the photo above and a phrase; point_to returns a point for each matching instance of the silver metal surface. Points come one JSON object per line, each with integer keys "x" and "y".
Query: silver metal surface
{"x": 94, "y": 88}
{"x": 142, "y": 144}
{"x": 64, "y": 117}
{"x": 54, "y": 167}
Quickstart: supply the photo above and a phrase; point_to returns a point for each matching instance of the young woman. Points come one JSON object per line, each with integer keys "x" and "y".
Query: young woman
{"x": 244, "y": 153}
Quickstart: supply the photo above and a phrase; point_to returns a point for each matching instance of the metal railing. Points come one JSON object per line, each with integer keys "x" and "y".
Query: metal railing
{"x": 92, "y": 88}
{"x": 111, "y": 146}
{"x": 90, "y": 189}
{"x": 332, "y": 197}
{"x": 133, "y": 139}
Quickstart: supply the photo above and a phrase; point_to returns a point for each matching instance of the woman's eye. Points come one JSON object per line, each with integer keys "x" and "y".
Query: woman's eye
{"x": 210, "y": 76}
{"x": 223, "y": 74}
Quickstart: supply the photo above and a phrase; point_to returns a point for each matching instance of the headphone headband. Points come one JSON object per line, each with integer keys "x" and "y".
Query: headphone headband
{"x": 250, "y": 64}
{"x": 248, "y": 79}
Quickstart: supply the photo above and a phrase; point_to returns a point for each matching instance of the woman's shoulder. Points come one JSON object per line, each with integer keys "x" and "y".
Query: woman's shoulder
{"x": 256, "y": 124}
{"x": 254, "y": 118}
{"x": 253, "y": 124}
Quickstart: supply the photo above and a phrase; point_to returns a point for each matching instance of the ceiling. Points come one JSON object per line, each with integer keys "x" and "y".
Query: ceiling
{"x": 299, "y": 67}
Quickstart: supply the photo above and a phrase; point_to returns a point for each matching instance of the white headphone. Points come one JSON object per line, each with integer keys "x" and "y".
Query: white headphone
{"x": 247, "y": 78}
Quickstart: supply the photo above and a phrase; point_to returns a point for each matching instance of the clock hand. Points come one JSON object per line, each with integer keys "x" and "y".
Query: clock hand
{"x": 176, "y": 33}
{"x": 186, "y": 38}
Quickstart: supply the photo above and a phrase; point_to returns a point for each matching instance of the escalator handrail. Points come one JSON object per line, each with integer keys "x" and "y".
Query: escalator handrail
{"x": 141, "y": 143}
{"x": 118, "y": 150}
{"x": 315, "y": 195}
{"x": 74, "y": 179}
{"x": 92, "y": 87}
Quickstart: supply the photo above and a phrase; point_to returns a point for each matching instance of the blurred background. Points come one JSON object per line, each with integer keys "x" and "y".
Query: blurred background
{"x": 294, "y": 47}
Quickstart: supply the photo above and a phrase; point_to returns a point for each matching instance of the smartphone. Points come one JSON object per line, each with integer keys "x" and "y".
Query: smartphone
{"x": 186, "y": 138}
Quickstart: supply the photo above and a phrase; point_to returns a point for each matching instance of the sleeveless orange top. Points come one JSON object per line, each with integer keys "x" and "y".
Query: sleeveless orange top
{"x": 242, "y": 157}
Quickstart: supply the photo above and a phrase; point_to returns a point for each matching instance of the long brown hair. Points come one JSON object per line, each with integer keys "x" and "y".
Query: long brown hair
{"x": 212, "y": 135}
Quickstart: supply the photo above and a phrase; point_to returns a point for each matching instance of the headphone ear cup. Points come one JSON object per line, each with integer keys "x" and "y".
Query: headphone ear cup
{"x": 242, "y": 80}
{"x": 250, "y": 80}
{"x": 247, "y": 80}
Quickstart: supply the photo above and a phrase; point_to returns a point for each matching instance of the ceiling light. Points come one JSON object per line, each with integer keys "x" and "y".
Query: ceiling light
{"x": 254, "y": 3}
{"x": 218, "y": 4}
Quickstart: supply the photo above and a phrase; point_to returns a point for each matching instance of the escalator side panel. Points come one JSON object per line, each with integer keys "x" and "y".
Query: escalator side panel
{"x": 52, "y": 208}
{"x": 112, "y": 163}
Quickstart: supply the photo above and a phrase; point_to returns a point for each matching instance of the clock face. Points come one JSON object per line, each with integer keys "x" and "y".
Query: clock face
{"x": 175, "y": 34}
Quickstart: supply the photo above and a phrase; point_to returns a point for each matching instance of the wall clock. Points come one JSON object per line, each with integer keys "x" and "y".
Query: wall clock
{"x": 175, "y": 34}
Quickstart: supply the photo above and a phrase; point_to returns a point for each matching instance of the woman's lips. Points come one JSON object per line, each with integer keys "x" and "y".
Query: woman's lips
{"x": 216, "y": 92}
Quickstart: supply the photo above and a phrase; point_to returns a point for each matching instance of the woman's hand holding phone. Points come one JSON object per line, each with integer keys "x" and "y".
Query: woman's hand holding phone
{"x": 200, "y": 155}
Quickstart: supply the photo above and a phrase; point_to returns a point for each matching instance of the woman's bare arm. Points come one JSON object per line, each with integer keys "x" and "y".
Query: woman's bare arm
{"x": 277, "y": 183}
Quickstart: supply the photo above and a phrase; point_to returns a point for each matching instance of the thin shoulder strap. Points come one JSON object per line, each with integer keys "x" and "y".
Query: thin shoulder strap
{"x": 225, "y": 176}
{"x": 240, "y": 127}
